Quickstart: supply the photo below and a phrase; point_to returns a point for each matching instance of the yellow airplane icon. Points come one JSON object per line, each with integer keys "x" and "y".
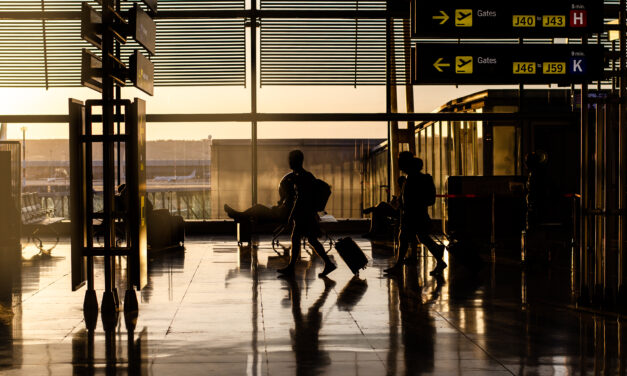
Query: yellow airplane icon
{"x": 463, "y": 64}
{"x": 463, "y": 17}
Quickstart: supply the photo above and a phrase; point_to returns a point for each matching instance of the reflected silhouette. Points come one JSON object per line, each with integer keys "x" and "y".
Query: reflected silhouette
{"x": 310, "y": 358}
{"x": 417, "y": 324}
{"x": 351, "y": 294}
{"x": 169, "y": 262}
{"x": 85, "y": 361}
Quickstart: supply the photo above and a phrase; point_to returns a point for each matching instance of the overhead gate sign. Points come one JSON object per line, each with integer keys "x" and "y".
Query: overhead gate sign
{"x": 506, "y": 64}
{"x": 506, "y": 19}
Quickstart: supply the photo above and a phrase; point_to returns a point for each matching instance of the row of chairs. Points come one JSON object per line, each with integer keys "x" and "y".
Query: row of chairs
{"x": 40, "y": 219}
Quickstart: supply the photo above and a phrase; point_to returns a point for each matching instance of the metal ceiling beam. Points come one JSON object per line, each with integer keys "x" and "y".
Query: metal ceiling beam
{"x": 198, "y": 14}
{"x": 303, "y": 117}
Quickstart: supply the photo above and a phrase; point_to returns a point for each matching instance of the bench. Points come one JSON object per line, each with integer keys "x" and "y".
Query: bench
{"x": 246, "y": 230}
{"x": 39, "y": 218}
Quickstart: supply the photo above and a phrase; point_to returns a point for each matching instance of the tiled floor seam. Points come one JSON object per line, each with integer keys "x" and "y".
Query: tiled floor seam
{"x": 459, "y": 330}
{"x": 365, "y": 336}
{"x": 154, "y": 358}
{"x": 191, "y": 280}
{"x": 40, "y": 290}
{"x": 263, "y": 325}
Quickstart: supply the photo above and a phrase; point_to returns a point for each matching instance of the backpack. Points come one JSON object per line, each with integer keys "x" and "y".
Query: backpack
{"x": 429, "y": 194}
{"x": 321, "y": 194}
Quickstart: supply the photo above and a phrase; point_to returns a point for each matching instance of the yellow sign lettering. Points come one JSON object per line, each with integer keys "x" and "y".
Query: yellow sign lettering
{"x": 524, "y": 67}
{"x": 554, "y": 68}
{"x": 554, "y": 21}
{"x": 526, "y": 20}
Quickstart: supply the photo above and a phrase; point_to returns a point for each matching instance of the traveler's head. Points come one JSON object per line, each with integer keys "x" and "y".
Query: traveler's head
{"x": 296, "y": 158}
{"x": 406, "y": 161}
{"x": 419, "y": 164}
{"x": 536, "y": 159}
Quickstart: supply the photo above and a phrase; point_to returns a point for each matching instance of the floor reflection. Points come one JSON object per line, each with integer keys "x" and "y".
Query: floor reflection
{"x": 417, "y": 324}
{"x": 217, "y": 308}
{"x": 162, "y": 265}
{"x": 311, "y": 359}
{"x": 129, "y": 358}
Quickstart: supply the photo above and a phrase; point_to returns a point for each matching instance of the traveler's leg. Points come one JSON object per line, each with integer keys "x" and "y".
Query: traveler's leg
{"x": 329, "y": 266}
{"x": 412, "y": 256}
{"x": 405, "y": 237}
{"x": 295, "y": 252}
{"x": 435, "y": 249}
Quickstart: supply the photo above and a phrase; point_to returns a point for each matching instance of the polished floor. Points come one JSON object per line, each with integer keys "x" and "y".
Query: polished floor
{"x": 216, "y": 309}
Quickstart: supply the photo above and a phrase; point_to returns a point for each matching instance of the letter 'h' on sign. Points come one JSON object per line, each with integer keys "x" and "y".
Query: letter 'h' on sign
{"x": 578, "y": 18}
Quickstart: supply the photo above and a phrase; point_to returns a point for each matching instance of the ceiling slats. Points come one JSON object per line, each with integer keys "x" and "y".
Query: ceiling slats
{"x": 190, "y": 52}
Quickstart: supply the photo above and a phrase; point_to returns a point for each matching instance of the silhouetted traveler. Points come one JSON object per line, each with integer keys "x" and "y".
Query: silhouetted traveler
{"x": 304, "y": 216}
{"x": 383, "y": 216}
{"x": 261, "y": 213}
{"x": 417, "y": 195}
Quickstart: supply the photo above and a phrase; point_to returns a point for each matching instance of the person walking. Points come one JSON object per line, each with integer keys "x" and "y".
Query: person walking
{"x": 418, "y": 193}
{"x": 304, "y": 216}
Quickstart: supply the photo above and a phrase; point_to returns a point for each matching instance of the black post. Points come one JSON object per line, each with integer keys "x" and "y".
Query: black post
{"x": 109, "y": 303}
{"x": 253, "y": 98}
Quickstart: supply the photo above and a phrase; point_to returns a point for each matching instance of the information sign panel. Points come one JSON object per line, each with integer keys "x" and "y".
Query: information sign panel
{"x": 136, "y": 156}
{"x": 144, "y": 29}
{"x": 399, "y": 7}
{"x": 506, "y": 19}
{"x": 506, "y": 64}
{"x": 91, "y": 25}
{"x": 142, "y": 73}
{"x": 91, "y": 71}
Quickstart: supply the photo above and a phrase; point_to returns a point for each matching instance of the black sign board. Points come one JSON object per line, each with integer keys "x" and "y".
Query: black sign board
{"x": 142, "y": 73}
{"x": 399, "y": 7}
{"x": 506, "y": 64}
{"x": 91, "y": 71}
{"x": 144, "y": 29}
{"x": 138, "y": 200}
{"x": 91, "y": 25}
{"x": 506, "y": 19}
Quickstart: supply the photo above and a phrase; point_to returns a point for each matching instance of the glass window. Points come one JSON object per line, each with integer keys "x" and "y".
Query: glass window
{"x": 504, "y": 144}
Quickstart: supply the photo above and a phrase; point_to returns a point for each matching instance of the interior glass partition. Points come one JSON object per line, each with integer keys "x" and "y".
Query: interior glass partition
{"x": 449, "y": 148}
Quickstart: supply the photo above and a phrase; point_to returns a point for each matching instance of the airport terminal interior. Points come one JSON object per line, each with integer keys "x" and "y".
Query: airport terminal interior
{"x": 468, "y": 180}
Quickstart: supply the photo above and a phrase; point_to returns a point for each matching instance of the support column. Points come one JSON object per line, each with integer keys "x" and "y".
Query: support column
{"x": 391, "y": 107}
{"x": 253, "y": 99}
{"x": 584, "y": 291}
{"x": 409, "y": 87}
{"x": 622, "y": 159}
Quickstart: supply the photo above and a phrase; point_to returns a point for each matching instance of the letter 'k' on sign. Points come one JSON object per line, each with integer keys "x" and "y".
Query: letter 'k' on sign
{"x": 577, "y": 65}
{"x": 578, "y": 18}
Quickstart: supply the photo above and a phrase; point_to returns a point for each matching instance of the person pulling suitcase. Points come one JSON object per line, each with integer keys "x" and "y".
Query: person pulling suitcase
{"x": 304, "y": 215}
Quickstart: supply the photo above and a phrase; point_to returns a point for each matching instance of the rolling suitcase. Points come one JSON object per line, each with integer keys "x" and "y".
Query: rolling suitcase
{"x": 352, "y": 255}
